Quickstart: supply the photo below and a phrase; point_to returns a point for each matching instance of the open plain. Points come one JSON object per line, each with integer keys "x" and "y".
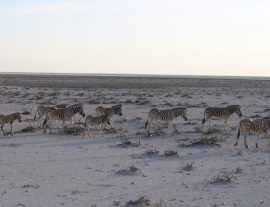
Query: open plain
{"x": 183, "y": 167}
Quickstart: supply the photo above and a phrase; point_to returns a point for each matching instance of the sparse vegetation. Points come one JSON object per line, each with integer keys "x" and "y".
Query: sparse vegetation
{"x": 133, "y": 170}
{"x": 28, "y": 129}
{"x": 170, "y": 153}
{"x": 223, "y": 178}
{"x": 188, "y": 166}
{"x": 203, "y": 141}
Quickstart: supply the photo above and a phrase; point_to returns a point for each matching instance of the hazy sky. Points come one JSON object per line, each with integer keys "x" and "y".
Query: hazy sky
{"x": 185, "y": 37}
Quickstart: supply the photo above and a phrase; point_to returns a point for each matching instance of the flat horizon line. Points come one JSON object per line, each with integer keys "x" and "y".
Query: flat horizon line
{"x": 137, "y": 75}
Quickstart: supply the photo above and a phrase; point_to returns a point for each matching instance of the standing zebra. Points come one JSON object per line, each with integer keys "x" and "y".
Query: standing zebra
{"x": 96, "y": 121}
{"x": 110, "y": 112}
{"x": 63, "y": 114}
{"x": 167, "y": 115}
{"x": 223, "y": 113}
{"x": 41, "y": 111}
{"x": 9, "y": 119}
{"x": 257, "y": 126}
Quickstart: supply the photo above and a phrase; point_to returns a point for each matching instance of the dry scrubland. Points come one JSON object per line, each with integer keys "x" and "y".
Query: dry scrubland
{"x": 125, "y": 167}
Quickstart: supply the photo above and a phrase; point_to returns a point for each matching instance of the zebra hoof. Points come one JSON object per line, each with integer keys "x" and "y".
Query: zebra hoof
{"x": 246, "y": 147}
{"x": 235, "y": 144}
{"x": 257, "y": 146}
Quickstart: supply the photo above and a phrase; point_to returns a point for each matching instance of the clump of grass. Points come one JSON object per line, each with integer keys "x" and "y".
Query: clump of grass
{"x": 188, "y": 166}
{"x": 28, "y": 129}
{"x": 170, "y": 153}
{"x": 127, "y": 143}
{"x": 133, "y": 170}
{"x": 238, "y": 170}
{"x": 223, "y": 178}
{"x": 144, "y": 202}
{"x": 141, "y": 202}
{"x": 203, "y": 141}
{"x": 151, "y": 152}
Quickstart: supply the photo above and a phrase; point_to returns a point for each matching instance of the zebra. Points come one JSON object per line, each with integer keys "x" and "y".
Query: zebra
{"x": 63, "y": 114}
{"x": 224, "y": 113}
{"x": 110, "y": 112}
{"x": 9, "y": 119}
{"x": 41, "y": 111}
{"x": 257, "y": 126}
{"x": 167, "y": 115}
{"x": 96, "y": 121}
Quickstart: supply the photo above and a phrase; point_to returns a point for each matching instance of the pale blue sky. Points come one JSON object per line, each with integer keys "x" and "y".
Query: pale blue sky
{"x": 184, "y": 37}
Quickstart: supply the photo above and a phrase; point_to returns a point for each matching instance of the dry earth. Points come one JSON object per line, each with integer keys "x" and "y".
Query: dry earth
{"x": 65, "y": 169}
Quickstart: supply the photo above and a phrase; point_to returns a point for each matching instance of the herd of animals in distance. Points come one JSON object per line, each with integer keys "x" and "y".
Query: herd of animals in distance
{"x": 104, "y": 116}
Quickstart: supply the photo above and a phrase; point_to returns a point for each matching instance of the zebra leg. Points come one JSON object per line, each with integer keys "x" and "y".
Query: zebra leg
{"x": 266, "y": 134}
{"x": 258, "y": 136}
{"x": 2, "y": 128}
{"x": 225, "y": 124}
{"x": 245, "y": 141}
{"x": 238, "y": 135}
{"x": 11, "y": 129}
{"x": 148, "y": 126}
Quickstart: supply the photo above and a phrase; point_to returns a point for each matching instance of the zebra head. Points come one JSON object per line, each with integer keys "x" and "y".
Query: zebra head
{"x": 267, "y": 120}
{"x": 78, "y": 108}
{"x": 235, "y": 109}
{"x": 118, "y": 109}
{"x": 181, "y": 112}
{"x": 17, "y": 116}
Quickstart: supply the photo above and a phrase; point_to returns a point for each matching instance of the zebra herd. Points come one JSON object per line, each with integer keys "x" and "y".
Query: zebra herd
{"x": 103, "y": 116}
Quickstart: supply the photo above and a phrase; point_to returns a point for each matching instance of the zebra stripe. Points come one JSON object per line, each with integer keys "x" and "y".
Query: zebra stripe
{"x": 223, "y": 113}
{"x": 63, "y": 114}
{"x": 41, "y": 112}
{"x": 167, "y": 115}
{"x": 257, "y": 126}
{"x": 96, "y": 121}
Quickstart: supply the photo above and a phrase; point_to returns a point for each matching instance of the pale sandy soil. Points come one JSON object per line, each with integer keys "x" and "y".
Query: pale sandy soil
{"x": 62, "y": 169}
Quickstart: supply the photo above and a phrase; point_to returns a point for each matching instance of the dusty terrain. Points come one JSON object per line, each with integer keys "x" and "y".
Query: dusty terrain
{"x": 66, "y": 169}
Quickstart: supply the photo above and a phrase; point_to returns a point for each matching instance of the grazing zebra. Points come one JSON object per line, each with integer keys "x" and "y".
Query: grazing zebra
{"x": 167, "y": 115}
{"x": 257, "y": 126}
{"x": 110, "y": 112}
{"x": 9, "y": 119}
{"x": 41, "y": 111}
{"x": 96, "y": 121}
{"x": 63, "y": 114}
{"x": 224, "y": 113}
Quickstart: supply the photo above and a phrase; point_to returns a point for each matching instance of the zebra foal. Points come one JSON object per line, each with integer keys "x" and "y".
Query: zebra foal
{"x": 109, "y": 112}
{"x": 169, "y": 115}
{"x": 9, "y": 119}
{"x": 97, "y": 121}
{"x": 257, "y": 126}
{"x": 65, "y": 114}
{"x": 223, "y": 113}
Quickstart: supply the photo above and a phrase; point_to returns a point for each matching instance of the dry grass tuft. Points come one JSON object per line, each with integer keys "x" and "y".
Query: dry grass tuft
{"x": 188, "y": 167}
{"x": 133, "y": 170}
{"x": 203, "y": 141}
{"x": 170, "y": 153}
{"x": 141, "y": 202}
{"x": 144, "y": 202}
{"x": 28, "y": 129}
{"x": 223, "y": 178}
